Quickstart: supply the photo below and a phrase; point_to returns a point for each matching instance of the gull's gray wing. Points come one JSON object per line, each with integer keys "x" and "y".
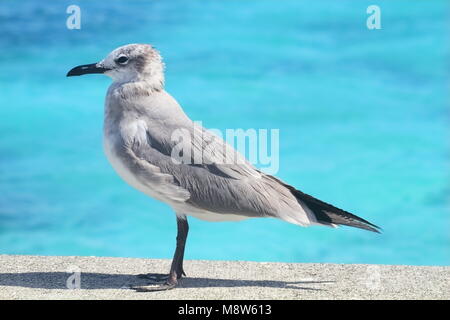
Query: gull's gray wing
{"x": 243, "y": 190}
{"x": 208, "y": 186}
{"x": 235, "y": 188}
{"x": 189, "y": 143}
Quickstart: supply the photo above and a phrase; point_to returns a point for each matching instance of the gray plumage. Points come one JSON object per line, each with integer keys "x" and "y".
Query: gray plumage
{"x": 140, "y": 119}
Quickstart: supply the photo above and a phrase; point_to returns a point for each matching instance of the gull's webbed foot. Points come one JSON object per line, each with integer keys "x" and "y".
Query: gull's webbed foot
{"x": 155, "y": 287}
{"x": 159, "y": 282}
{"x": 154, "y": 277}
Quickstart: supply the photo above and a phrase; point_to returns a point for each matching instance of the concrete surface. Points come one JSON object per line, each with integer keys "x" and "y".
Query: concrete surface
{"x": 38, "y": 277}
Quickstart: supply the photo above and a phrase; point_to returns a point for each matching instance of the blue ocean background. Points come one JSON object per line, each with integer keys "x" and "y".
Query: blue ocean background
{"x": 363, "y": 118}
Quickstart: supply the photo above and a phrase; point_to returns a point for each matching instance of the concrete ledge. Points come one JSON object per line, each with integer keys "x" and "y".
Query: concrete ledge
{"x": 38, "y": 277}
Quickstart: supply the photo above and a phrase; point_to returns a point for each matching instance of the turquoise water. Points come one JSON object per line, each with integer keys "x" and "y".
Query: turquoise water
{"x": 363, "y": 119}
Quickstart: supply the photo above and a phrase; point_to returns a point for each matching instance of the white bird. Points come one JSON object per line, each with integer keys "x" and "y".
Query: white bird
{"x": 140, "y": 119}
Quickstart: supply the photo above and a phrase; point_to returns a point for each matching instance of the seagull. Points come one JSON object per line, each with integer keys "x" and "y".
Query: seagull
{"x": 140, "y": 120}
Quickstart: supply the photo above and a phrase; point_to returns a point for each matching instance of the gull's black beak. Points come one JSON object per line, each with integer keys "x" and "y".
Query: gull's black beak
{"x": 86, "y": 69}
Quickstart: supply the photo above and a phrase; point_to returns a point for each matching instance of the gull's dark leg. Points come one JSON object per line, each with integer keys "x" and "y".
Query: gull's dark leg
{"x": 176, "y": 269}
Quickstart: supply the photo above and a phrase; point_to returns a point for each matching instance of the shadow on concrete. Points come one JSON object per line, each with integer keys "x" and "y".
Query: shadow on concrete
{"x": 58, "y": 280}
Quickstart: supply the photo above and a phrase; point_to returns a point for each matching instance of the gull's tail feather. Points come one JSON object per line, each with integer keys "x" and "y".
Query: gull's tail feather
{"x": 330, "y": 215}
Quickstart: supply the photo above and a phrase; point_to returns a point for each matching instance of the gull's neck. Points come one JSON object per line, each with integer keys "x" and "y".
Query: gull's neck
{"x": 140, "y": 86}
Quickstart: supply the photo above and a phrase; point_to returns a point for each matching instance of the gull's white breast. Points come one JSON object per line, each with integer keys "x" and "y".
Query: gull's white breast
{"x": 134, "y": 130}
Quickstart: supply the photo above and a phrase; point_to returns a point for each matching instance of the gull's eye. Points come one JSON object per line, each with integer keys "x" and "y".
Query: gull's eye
{"x": 122, "y": 60}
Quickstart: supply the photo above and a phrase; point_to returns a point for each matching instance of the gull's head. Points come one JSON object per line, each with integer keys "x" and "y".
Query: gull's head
{"x": 130, "y": 63}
